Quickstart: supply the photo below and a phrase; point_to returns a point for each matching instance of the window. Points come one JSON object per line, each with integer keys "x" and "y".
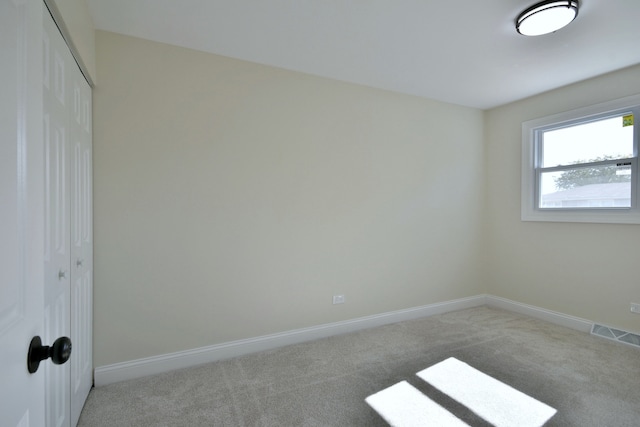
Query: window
{"x": 582, "y": 165}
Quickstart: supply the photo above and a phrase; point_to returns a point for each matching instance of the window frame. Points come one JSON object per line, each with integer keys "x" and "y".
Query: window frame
{"x": 531, "y": 171}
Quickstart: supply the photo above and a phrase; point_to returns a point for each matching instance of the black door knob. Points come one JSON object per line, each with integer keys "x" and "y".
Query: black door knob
{"x": 59, "y": 352}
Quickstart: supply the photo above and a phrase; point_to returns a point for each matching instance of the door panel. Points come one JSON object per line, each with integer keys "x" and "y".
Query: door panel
{"x": 57, "y": 291}
{"x": 69, "y": 290}
{"x": 81, "y": 245}
{"x": 21, "y": 210}
{"x": 35, "y": 247}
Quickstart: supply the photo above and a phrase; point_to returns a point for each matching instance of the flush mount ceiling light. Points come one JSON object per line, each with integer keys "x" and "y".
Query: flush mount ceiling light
{"x": 546, "y": 17}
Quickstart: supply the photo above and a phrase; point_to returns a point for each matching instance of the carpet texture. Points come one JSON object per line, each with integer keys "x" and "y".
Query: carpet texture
{"x": 590, "y": 381}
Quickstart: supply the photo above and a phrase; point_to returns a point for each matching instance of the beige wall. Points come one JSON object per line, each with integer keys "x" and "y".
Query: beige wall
{"x": 77, "y": 25}
{"x": 232, "y": 200}
{"x": 585, "y": 270}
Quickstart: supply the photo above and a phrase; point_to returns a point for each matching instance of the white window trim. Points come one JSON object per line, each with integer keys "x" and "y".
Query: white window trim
{"x": 529, "y": 212}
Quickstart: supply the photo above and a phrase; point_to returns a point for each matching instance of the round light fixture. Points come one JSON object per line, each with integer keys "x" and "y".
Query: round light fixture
{"x": 546, "y": 17}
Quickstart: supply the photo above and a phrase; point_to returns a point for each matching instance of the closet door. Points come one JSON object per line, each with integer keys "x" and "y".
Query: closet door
{"x": 57, "y": 296}
{"x": 68, "y": 227}
{"x": 81, "y": 244}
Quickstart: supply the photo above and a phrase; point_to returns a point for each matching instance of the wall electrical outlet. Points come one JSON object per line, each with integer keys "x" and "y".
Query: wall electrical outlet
{"x": 635, "y": 308}
{"x": 338, "y": 299}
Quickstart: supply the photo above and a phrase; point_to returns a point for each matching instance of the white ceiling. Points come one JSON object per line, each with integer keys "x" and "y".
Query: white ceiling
{"x": 465, "y": 52}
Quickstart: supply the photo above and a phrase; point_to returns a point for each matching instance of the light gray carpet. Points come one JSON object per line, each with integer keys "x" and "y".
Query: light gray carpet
{"x": 590, "y": 381}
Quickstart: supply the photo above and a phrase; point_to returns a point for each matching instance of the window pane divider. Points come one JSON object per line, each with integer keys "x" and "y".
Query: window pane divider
{"x": 616, "y": 162}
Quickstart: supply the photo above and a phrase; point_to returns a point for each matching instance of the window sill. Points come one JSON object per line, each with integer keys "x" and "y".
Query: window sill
{"x": 613, "y": 216}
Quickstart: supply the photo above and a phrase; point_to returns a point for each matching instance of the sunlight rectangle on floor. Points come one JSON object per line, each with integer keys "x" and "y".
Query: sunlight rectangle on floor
{"x": 494, "y": 401}
{"x": 403, "y": 405}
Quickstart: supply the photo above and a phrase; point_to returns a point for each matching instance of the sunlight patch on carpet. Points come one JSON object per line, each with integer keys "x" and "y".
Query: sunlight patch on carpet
{"x": 494, "y": 401}
{"x": 403, "y": 405}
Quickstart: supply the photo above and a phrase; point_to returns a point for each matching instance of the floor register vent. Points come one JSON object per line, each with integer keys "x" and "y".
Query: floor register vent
{"x": 616, "y": 335}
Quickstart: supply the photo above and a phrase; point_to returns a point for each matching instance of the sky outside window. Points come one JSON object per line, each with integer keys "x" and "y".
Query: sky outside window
{"x": 587, "y": 141}
{"x": 608, "y": 138}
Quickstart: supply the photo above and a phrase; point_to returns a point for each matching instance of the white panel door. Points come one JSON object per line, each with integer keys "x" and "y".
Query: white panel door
{"x": 57, "y": 294}
{"x": 21, "y": 211}
{"x": 68, "y": 226}
{"x": 81, "y": 243}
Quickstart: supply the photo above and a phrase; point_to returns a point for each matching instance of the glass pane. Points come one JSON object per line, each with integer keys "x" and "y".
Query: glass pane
{"x": 601, "y": 140}
{"x": 599, "y": 187}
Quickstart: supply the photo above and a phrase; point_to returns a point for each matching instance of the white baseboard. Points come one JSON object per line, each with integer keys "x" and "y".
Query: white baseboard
{"x": 104, "y": 375}
{"x": 561, "y": 319}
